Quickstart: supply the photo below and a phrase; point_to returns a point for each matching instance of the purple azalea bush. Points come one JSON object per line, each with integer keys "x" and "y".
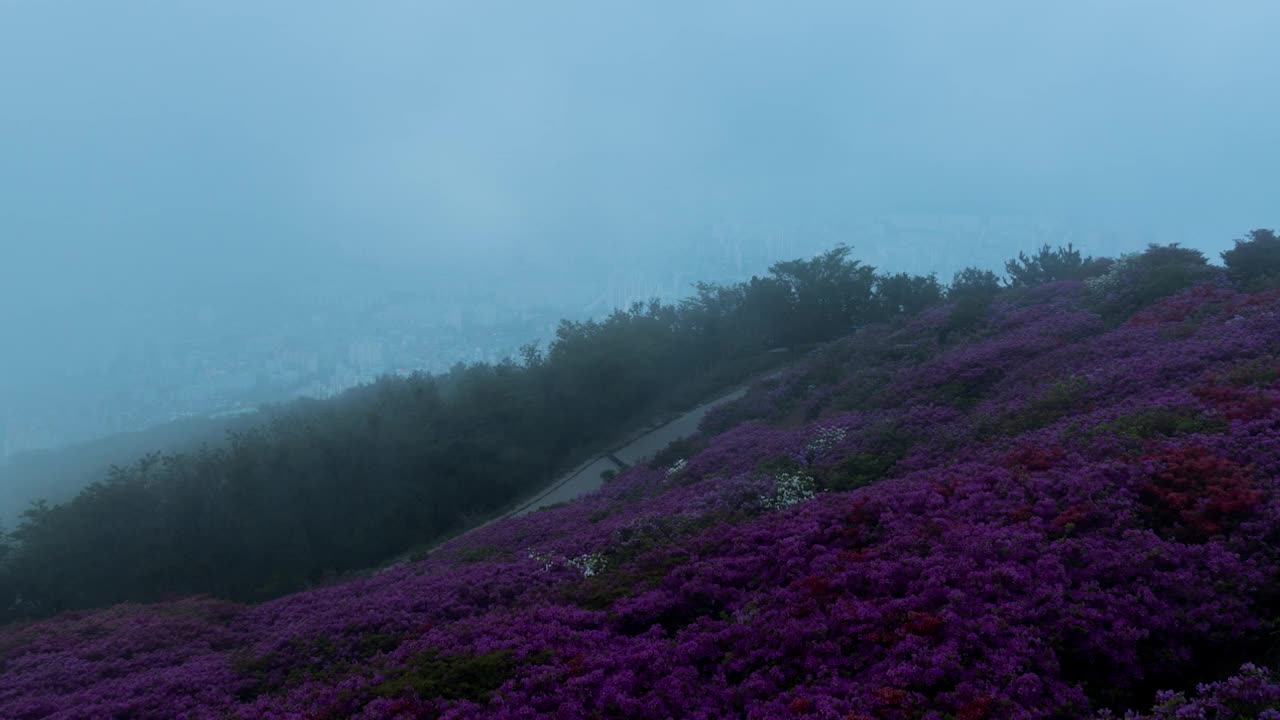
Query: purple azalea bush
{"x": 1055, "y": 518}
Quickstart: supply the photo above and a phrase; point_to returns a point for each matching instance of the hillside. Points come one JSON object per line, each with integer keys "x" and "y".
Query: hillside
{"x": 1054, "y": 501}
{"x": 317, "y": 489}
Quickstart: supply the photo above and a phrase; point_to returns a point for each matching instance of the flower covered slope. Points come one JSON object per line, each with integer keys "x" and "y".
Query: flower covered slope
{"x": 1051, "y": 519}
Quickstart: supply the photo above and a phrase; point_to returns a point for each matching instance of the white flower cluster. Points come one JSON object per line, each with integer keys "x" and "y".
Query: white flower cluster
{"x": 825, "y": 439}
{"x": 676, "y": 467}
{"x": 789, "y": 489}
{"x": 547, "y": 561}
{"x": 1114, "y": 276}
{"x": 589, "y": 564}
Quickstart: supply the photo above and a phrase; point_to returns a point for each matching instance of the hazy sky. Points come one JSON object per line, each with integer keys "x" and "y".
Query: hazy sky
{"x": 154, "y": 152}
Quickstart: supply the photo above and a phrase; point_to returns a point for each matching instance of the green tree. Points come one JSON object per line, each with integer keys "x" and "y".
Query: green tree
{"x": 825, "y": 294}
{"x": 971, "y": 292}
{"x": 1254, "y": 262}
{"x": 902, "y": 294}
{"x": 1049, "y": 265}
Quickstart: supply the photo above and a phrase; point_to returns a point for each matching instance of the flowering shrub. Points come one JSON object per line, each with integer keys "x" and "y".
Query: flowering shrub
{"x": 1137, "y": 280}
{"x": 589, "y": 565}
{"x": 1088, "y": 529}
{"x": 1253, "y": 692}
{"x": 1114, "y": 278}
{"x": 789, "y": 489}
{"x": 825, "y": 439}
{"x": 1198, "y": 493}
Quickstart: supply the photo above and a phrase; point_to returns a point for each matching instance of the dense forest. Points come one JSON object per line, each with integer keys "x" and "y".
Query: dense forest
{"x": 336, "y": 485}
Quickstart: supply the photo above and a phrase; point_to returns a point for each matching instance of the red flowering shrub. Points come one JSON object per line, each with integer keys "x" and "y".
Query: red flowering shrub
{"x": 1198, "y": 494}
{"x": 976, "y": 709}
{"x": 1035, "y": 458}
{"x": 1236, "y": 402}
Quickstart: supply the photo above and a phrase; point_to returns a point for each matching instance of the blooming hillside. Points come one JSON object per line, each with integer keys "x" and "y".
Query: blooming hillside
{"x": 1052, "y": 517}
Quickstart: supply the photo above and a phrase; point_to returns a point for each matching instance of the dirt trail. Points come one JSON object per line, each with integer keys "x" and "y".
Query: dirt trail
{"x": 585, "y": 478}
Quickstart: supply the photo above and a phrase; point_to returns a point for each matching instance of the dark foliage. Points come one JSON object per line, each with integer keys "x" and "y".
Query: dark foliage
{"x": 1049, "y": 265}
{"x": 904, "y": 294}
{"x": 1137, "y": 281}
{"x": 975, "y": 282}
{"x": 1254, "y": 262}
{"x": 970, "y": 293}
